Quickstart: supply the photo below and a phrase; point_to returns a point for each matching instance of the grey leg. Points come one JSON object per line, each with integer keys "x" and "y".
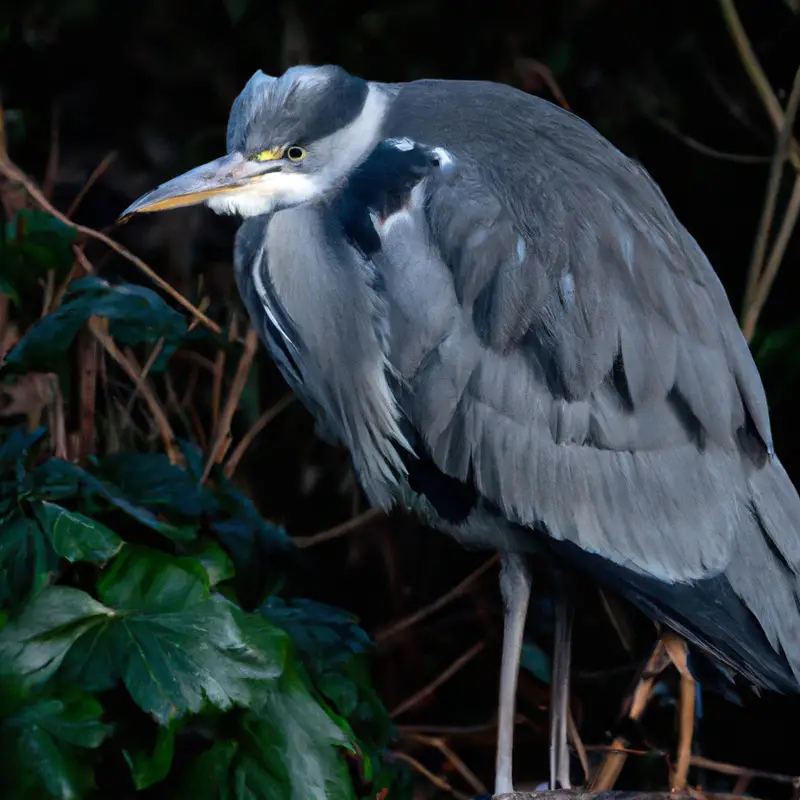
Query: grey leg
{"x": 559, "y": 699}
{"x": 515, "y": 586}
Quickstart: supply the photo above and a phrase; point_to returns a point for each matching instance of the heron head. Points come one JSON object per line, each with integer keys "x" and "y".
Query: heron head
{"x": 290, "y": 140}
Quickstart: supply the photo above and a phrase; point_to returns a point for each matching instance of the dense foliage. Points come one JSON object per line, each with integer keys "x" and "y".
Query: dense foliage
{"x": 142, "y": 645}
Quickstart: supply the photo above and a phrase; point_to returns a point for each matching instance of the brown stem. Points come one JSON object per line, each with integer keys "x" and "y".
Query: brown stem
{"x": 754, "y": 289}
{"x": 159, "y": 415}
{"x": 443, "y": 677}
{"x": 222, "y": 431}
{"x": 609, "y": 771}
{"x": 441, "y": 602}
{"x": 88, "y": 357}
{"x": 258, "y": 426}
{"x": 339, "y": 530}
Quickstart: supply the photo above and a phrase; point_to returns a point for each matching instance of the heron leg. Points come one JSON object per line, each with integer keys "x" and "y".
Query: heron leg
{"x": 515, "y": 586}
{"x": 559, "y": 696}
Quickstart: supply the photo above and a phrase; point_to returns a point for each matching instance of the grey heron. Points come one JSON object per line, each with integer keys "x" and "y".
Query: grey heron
{"x": 500, "y": 316}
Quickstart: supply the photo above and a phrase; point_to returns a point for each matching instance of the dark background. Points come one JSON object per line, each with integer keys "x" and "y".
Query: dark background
{"x": 152, "y": 82}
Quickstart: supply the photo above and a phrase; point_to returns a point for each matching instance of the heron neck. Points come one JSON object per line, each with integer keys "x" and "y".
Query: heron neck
{"x": 327, "y": 293}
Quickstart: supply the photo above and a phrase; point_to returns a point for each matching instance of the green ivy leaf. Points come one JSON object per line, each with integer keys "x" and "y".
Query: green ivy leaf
{"x": 46, "y": 737}
{"x": 75, "y": 719}
{"x": 290, "y": 748}
{"x": 56, "y": 480}
{"x": 259, "y": 549}
{"x": 319, "y": 631}
{"x": 34, "y": 645}
{"x": 216, "y": 561}
{"x": 177, "y": 662}
{"x": 209, "y": 778}
{"x": 77, "y": 537}
{"x": 171, "y": 662}
{"x": 148, "y": 769}
{"x": 34, "y": 243}
{"x": 142, "y": 579}
{"x": 47, "y": 342}
{"x": 16, "y": 445}
{"x": 135, "y": 314}
{"x": 27, "y": 560}
{"x": 149, "y": 479}
{"x": 6, "y": 287}
{"x": 332, "y": 647}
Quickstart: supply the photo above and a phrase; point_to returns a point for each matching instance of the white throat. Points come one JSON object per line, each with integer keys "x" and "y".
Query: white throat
{"x": 342, "y": 151}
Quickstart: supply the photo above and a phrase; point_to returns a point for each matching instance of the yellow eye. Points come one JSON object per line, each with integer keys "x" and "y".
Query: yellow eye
{"x": 295, "y": 153}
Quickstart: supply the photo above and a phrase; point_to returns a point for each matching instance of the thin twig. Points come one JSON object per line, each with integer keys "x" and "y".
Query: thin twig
{"x": 219, "y": 442}
{"x": 154, "y": 354}
{"x": 610, "y": 748}
{"x": 443, "y": 677}
{"x": 618, "y": 622}
{"x": 775, "y": 258}
{"x": 15, "y": 175}
{"x": 523, "y": 64}
{"x": 256, "y": 428}
{"x": 756, "y": 73}
{"x": 58, "y": 425}
{"x": 732, "y": 769}
{"x": 451, "y": 730}
{"x": 49, "y": 291}
{"x": 677, "y": 650}
{"x": 441, "y": 602}
{"x": 90, "y": 181}
{"x": 197, "y": 358}
{"x": 606, "y": 776}
{"x": 219, "y": 376}
{"x": 88, "y": 362}
{"x": 81, "y": 262}
{"x": 191, "y": 385}
{"x": 439, "y": 783}
{"x": 704, "y": 149}
{"x": 148, "y": 365}
{"x": 441, "y": 745}
{"x": 339, "y": 530}
{"x": 160, "y": 417}
{"x": 577, "y": 743}
{"x": 756, "y": 279}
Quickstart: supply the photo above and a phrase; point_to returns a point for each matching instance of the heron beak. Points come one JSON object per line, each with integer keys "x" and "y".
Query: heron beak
{"x": 230, "y": 173}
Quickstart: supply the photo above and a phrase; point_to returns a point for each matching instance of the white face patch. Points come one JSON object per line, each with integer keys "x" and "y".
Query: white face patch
{"x": 264, "y": 194}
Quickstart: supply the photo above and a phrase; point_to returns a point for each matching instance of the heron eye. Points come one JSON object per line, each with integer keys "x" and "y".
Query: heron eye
{"x": 295, "y": 153}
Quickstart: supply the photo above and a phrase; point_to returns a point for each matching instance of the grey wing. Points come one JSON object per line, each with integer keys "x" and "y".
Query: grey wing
{"x": 571, "y": 354}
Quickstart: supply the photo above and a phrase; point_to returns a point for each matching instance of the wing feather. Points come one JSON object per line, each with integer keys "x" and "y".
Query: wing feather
{"x": 591, "y": 380}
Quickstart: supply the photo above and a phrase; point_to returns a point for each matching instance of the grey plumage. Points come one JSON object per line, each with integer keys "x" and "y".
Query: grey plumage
{"x": 534, "y": 329}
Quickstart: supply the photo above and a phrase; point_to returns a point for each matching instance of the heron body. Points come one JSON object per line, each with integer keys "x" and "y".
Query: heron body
{"x": 500, "y": 316}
